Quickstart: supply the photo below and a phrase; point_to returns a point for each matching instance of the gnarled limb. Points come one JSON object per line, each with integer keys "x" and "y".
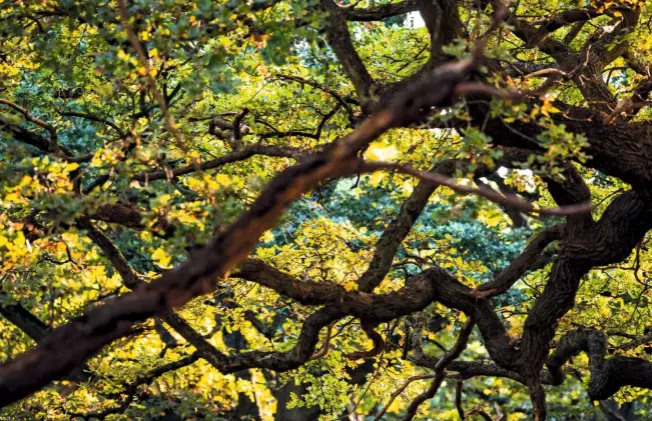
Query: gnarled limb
{"x": 609, "y": 240}
{"x": 608, "y": 375}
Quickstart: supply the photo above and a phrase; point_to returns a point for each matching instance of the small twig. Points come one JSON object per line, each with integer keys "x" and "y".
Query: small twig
{"x": 92, "y": 117}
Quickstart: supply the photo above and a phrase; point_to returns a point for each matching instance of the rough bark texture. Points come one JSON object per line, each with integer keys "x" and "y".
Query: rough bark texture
{"x": 618, "y": 147}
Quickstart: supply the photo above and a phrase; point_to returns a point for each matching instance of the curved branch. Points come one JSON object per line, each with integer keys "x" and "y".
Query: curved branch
{"x": 494, "y": 196}
{"x": 609, "y": 240}
{"x": 339, "y": 39}
{"x": 440, "y": 373}
{"x": 379, "y": 344}
{"x": 521, "y": 264}
{"x": 608, "y": 375}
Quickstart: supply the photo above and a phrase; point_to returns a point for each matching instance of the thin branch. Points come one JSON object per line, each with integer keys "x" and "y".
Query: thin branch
{"x": 494, "y": 196}
{"x": 326, "y": 345}
{"x": 398, "y": 392}
{"x": 440, "y": 373}
{"x": 236, "y": 156}
{"x": 345, "y": 102}
{"x": 131, "y": 389}
{"x": 92, "y": 117}
{"x": 520, "y": 265}
{"x": 50, "y": 128}
{"x": 170, "y": 124}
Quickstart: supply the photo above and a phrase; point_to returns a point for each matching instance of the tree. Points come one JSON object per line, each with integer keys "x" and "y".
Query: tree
{"x": 313, "y": 208}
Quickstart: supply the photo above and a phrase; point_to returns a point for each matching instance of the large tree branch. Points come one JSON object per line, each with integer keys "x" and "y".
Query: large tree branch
{"x": 76, "y": 341}
{"x": 434, "y": 284}
{"x": 339, "y": 39}
{"x": 621, "y": 152}
{"x": 33, "y": 327}
{"x": 442, "y": 19}
{"x": 610, "y": 240}
{"x": 559, "y": 20}
{"x": 131, "y": 280}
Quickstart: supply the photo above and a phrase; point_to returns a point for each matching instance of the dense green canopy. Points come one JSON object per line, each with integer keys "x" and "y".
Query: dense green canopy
{"x": 325, "y": 209}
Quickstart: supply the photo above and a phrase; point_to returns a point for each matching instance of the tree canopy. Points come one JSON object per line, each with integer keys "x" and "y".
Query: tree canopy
{"x": 325, "y": 209}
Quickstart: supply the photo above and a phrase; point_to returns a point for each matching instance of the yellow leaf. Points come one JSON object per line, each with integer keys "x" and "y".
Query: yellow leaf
{"x": 164, "y": 199}
{"x": 26, "y": 180}
{"x": 19, "y": 241}
{"x": 534, "y": 112}
{"x": 376, "y": 178}
{"x": 351, "y": 286}
{"x": 223, "y": 179}
{"x": 380, "y": 151}
{"x": 161, "y": 258}
{"x": 12, "y": 198}
{"x": 123, "y": 56}
{"x": 267, "y": 236}
{"x": 71, "y": 167}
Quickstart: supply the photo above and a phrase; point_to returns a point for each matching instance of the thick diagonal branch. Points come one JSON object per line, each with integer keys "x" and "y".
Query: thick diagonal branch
{"x": 76, "y": 341}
